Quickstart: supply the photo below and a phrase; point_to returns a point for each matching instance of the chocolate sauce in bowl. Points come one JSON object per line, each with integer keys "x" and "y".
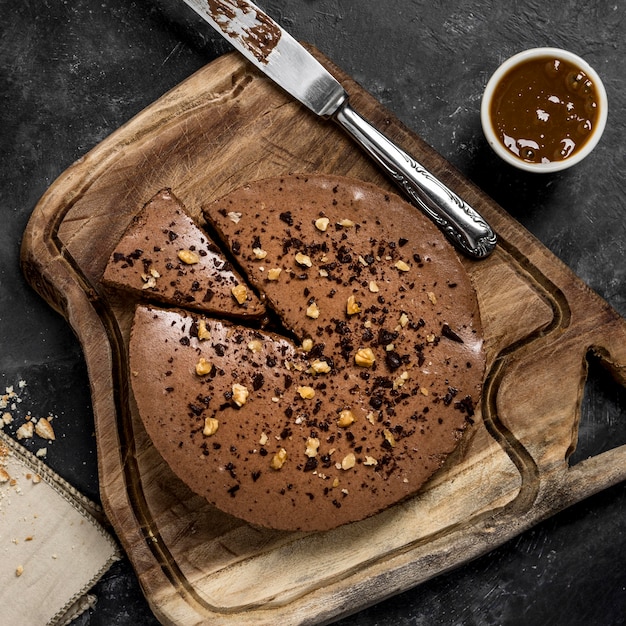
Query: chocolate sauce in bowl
{"x": 544, "y": 109}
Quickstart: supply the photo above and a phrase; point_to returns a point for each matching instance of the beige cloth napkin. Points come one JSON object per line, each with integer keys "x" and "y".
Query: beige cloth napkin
{"x": 52, "y": 547}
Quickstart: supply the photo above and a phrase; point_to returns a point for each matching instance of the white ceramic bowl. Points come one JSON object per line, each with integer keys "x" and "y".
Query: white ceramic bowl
{"x": 552, "y": 166}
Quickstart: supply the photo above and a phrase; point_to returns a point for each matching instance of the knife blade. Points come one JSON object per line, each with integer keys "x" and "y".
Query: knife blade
{"x": 283, "y": 59}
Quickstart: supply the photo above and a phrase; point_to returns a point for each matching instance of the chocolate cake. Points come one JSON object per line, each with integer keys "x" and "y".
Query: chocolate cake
{"x": 165, "y": 256}
{"x": 360, "y": 386}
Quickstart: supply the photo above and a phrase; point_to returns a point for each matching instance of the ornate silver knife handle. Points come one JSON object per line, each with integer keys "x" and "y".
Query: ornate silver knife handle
{"x": 463, "y": 225}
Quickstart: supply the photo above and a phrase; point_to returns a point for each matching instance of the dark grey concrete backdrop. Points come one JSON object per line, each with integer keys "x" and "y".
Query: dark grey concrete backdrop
{"x": 73, "y": 72}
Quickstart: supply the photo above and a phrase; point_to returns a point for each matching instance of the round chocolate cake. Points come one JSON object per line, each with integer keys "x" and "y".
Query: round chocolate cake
{"x": 353, "y": 389}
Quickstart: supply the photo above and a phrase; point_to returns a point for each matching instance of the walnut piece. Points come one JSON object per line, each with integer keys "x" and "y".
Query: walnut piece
{"x": 306, "y": 392}
{"x": 389, "y": 437}
{"x": 352, "y": 306}
{"x": 304, "y": 260}
{"x": 348, "y": 462}
{"x": 203, "y": 331}
{"x": 255, "y": 346}
{"x": 312, "y": 446}
{"x": 274, "y": 273}
{"x": 240, "y": 394}
{"x": 278, "y": 460}
{"x": 364, "y": 357}
{"x": 322, "y": 224}
{"x": 203, "y": 367}
{"x": 346, "y": 418}
{"x": 188, "y": 257}
{"x": 402, "y": 266}
{"x": 320, "y": 367}
{"x": 313, "y": 311}
{"x": 211, "y": 424}
{"x": 240, "y": 293}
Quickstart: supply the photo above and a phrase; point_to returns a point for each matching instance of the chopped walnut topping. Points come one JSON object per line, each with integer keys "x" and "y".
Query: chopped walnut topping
{"x": 259, "y": 253}
{"x": 432, "y": 297}
{"x": 404, "y": 320}
{"x": 371, "y": 418}
{"x": 389, "y": 437}
{"x": 44, "y": 429}
{"x": 306, "y": 392}
{"x": 274, "y": 273}
{"x": 304, "y": 260}
{"x": 313, "y": 311}
{"x": 323, "y": 273}
{"x": 203, "y": 331}
{"x": 348, "y": 462}
{"x": 234, "y": 217}
{"x": 240, "y": 293}
{"x": 373, "y": 286}
{"x": 320, "y": 367}
{"x": 370, "y": 460}
{"x": 402, "y": 266}
{"x": 203, "y": 367}
{"x": 430, "y": 338}
{"x": 322, "y": 224}
{"x": 346, "y": 223}
{"x": 211, "y": 424}
{"x": 346, "y": 418}
{"x": 188, "y": 257}
{"x": 19, "y": 570}
{"x": 255, "y": 346}
{"x": 307, "y": 345}
{"x": 312, "y": 446}
{"x": 278, "y": 460}
{"x": 398, "y": 382}
{"x": 263, "y": 439}
{"x": 365, "y": 357}
{"x": 149, "y": 282}
{"x": 240, "y": 394}
{"x": 424, "y": 391}
{"x": 352, "y": 306}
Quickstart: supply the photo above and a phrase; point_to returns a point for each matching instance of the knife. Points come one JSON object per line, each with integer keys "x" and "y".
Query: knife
{"x": 278, "y": 55}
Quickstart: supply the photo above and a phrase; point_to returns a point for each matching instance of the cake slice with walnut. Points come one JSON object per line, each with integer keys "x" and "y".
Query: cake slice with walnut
{"x": 165, "y": 256}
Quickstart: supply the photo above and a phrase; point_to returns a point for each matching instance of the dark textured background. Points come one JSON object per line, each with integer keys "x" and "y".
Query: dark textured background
{"x": 73, "y": 72}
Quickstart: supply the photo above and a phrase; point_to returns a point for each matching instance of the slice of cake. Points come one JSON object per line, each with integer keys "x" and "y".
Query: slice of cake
{"x": 165, "y": 257}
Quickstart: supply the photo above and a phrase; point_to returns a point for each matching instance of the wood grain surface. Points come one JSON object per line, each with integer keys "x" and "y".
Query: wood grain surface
{"x": 224, "y": 126}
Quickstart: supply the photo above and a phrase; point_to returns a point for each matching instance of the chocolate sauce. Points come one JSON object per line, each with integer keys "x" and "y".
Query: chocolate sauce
{"x": 238, "y": 20}
{"x": 544, "y": 110}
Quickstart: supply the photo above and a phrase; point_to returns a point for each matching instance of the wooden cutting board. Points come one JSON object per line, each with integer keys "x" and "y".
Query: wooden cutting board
{"x": 226, "y": 126}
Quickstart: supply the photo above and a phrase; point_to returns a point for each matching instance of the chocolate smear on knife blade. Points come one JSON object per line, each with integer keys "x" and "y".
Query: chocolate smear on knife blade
{"x": 238, "y": 20}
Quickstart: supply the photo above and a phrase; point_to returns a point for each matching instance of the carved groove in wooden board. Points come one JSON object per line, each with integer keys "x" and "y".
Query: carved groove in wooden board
{"x": 223, "y": 127}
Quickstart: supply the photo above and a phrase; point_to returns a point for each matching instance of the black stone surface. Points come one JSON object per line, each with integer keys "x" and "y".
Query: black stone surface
{"x": 73, "y": 72}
